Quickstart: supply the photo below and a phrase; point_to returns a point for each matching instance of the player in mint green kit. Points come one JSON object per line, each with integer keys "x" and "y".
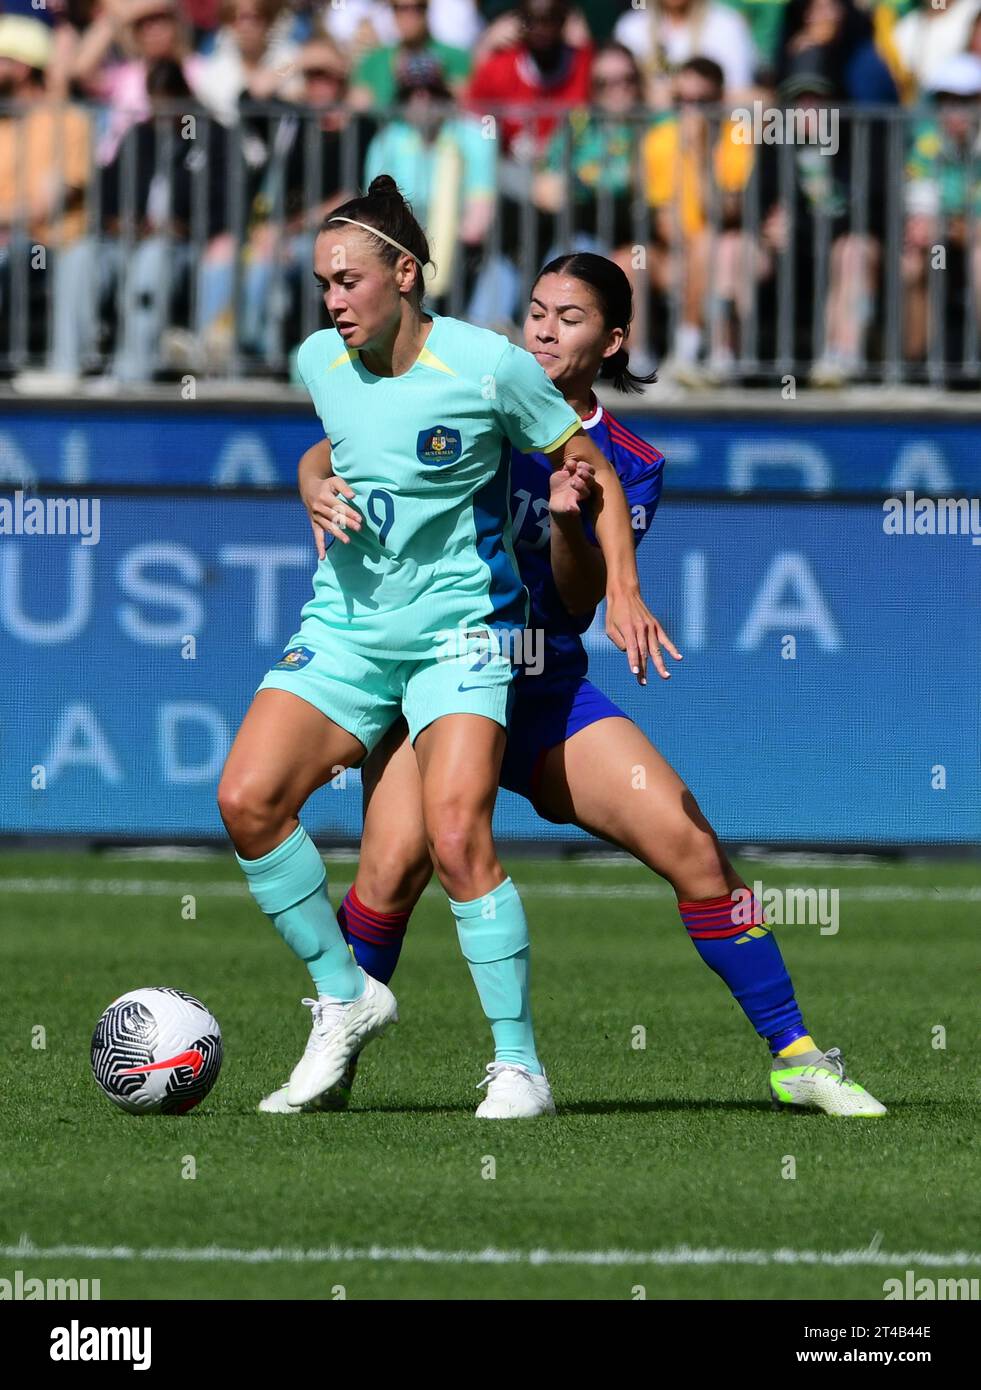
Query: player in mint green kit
{"x": 409, "y": 618}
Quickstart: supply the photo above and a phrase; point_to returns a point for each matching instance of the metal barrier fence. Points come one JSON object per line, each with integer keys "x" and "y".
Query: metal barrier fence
{"x": 839, "y": 244}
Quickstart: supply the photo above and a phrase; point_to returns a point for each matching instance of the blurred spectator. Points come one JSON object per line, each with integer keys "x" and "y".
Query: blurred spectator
{"x": 821, "y": 215}
{"x": 844, "y": 34}
{"x": 928, "y": 36}
{"x": 44, "y": 165}
{"x": 151, "y": 31}
{"x": 943, "y": 205}
{"x": 375, "y": 78}
{"x": 312, "y": 159}
{"x": 64, "y": 18}
{"x": 765, "y": 19}
{"x": 507, "y": 31}
{"x": 358, "y": 25}
{"x": 442, "y": 163}
{"x": 690, "y": 163}
{"x": 595, "y": 18}
{"x": 253, "y": 57}
{"x": 666, "y": 33}
{"x": 541, "y": 70}
{"x": 50, "y": 142}
{"x": 974, "y": 42}
{"x": 164, "y": 171}
{"x": 599, "y": 147}
{"x": 885, "y": 15}
{"x": 600, "y": 17}
{"x": 204, "y": 18}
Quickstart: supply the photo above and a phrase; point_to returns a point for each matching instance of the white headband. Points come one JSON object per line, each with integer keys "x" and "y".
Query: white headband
{"x": 384, "y": 236}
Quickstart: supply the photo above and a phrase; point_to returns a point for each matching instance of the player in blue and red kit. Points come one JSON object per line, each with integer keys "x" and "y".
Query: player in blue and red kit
{"x": 571, "y": 751}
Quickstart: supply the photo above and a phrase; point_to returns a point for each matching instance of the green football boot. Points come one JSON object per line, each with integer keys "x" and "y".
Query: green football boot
{"x": 817, "y": 1081}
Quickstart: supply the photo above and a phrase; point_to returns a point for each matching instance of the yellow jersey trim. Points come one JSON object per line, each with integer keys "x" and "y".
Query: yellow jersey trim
{"x": 429, "y": 359}
{"x": 563, "y": 438}
{"x": 348, "y": 355}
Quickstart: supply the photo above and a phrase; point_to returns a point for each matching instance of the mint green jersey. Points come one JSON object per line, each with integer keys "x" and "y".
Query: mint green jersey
{"x": 427, "y": 454}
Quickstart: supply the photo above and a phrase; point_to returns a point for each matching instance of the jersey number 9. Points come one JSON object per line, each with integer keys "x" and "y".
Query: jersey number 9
{"x": 378, "y": 498}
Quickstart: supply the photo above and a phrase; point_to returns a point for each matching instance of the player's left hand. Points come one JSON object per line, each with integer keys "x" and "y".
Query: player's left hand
{"x": 569, "y": 486}
{"x": 631, "y": 626}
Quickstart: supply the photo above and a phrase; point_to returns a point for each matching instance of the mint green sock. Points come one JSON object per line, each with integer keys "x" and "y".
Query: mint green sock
{"x": 290, "y": 885}
{"x": 494, "y": 940}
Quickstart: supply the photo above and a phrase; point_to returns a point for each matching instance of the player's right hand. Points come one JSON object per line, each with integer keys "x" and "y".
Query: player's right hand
{"x": 329, "y": 512}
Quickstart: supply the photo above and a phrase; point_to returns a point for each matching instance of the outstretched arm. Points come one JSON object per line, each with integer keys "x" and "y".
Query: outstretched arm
{"x": 578, "y": 567}
{"x": 629, "y": 623}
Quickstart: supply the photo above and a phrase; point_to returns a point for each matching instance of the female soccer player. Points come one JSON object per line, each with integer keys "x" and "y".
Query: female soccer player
{"x": 571, "y": 752}
{"x": 421, "y": 414}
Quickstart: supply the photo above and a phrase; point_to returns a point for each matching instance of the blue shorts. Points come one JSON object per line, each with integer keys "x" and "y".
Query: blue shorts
{"x": 543, "y": 716}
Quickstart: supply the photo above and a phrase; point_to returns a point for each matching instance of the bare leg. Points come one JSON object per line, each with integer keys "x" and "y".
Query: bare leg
{"x": 854, "y": 271}
{"x": 459, "y": 759}
{"x": 913, "y": 263}
{"x": 394, "y": 865}
{"x": 283, "y": 752}
{"x": 610, "y": 780}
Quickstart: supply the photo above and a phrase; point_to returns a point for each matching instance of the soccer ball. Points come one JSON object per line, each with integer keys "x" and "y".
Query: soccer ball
{"x": 156, "y": 1051}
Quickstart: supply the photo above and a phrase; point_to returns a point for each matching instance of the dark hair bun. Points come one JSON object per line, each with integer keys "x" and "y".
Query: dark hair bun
{"x": 384, "y": 186}
{"x": 383, "y": 209}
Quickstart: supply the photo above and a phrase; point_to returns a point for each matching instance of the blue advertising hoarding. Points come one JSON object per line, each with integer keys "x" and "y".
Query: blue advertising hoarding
{"x": 197, "y": 445}
{"x": 829, "y": 691}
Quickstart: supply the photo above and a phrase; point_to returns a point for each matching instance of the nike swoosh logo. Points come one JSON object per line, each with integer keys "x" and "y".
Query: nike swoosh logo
{"x": 471, "y": 687}
{"x": 192, "y": 1059}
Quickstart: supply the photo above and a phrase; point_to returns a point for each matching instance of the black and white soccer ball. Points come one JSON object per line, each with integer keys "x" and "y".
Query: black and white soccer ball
{"x": 156, "y": 1051}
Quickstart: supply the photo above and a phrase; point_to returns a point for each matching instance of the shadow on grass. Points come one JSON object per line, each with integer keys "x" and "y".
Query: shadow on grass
{"x": 660, "y": 1106}
{"x": 581, "y": 1107}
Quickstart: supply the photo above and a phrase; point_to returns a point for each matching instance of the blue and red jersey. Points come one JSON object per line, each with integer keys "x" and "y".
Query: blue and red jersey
{"x": 640, "y": 468}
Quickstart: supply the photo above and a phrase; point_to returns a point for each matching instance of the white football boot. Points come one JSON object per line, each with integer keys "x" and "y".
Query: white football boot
{"x": 514, "y": 1093}
{"x": 336, "y": 1098}
{"x": 277, "y": 1104}
{"x": 339, "y": 1031}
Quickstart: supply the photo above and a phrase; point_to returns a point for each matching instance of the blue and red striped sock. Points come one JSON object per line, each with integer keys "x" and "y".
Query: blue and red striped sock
{"x": 374, "y": 937}
{"x": 733, "y": 940}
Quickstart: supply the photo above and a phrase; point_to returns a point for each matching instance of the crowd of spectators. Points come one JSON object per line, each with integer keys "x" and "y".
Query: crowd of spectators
{"x": 165, "y": 164}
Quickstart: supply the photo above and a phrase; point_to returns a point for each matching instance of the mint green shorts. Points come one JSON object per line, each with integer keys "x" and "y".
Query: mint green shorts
{"x": 366, "y": 694}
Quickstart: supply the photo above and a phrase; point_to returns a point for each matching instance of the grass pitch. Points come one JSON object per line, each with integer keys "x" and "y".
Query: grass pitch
{"x": 658, "y": 1152}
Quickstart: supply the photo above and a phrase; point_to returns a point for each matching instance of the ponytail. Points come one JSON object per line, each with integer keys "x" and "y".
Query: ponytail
{"x": 616, "y": 369}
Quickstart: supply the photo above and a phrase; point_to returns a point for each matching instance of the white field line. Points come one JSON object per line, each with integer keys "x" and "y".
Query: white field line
{"x": 221, "y": 888}
{"x": 379, "y": 1254}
